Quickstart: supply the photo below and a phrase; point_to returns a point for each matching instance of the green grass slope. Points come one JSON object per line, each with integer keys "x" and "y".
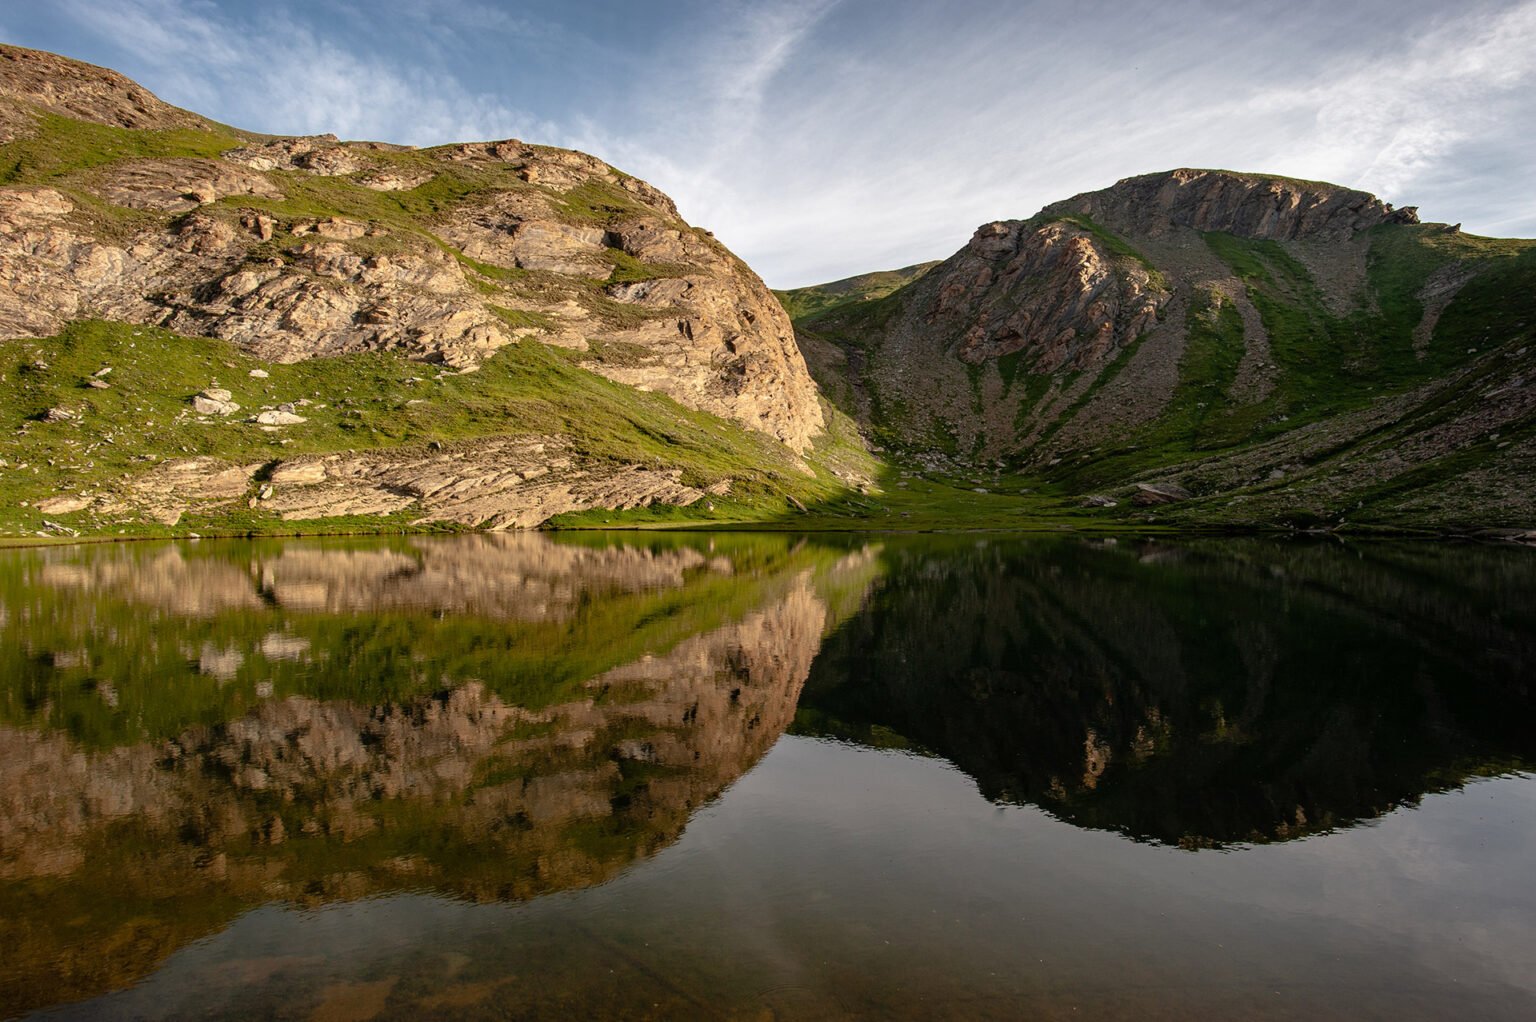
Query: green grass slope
{"x": 1388, "y": 407}
{"x": 803, "y": 302}
{"x": 372, "y": 401}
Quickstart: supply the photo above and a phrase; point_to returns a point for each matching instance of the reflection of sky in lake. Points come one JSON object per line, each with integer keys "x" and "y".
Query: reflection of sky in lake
{"x": 833, "y": 879}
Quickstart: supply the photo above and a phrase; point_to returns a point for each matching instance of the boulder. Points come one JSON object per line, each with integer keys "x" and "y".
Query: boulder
{"x": 301, "y": 473}
{"x": 1153, "y": 494}
{"x": 214, "y": 401}
{"x": 278, "y": 418}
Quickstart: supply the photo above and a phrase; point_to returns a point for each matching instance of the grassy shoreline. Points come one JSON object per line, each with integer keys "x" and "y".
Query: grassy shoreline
{"x": 814, "y": 525}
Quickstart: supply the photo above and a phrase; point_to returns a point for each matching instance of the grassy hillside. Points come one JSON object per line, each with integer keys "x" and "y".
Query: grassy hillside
{"x": 803, "y": 302}
{"x": 372, "y": 401}
{"x": 402, "y": 298}
{"x": 1385, "y": 399}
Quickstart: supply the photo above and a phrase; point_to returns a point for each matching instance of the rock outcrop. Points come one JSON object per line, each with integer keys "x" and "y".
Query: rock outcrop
{"x": 493, "y": 485}
{"x": 1246, "y": 205}
{"x": 1044, "y": 296}
{"x": 31, "y": 81}
{"x": 1053, "y": 293}
{"x": 481, "y": 245}
{"x": 1290, "y": 346}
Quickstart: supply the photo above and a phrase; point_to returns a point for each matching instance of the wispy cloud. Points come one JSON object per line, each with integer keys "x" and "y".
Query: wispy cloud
{"x": 274, "y": 73}
{"x": 1387, "y": 122}
{"x": 961, "y": 124}
{"x": 821, "y": 138}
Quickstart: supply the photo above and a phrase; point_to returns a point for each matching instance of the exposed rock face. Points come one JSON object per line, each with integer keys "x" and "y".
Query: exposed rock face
{"x": 491, "y": 243}
{"x": 509, "y": 483}
{"x": 58, "y": 85}
{"x": 1247, "y": 205}
{"x": 1049, "y": 295}
{"x": 180, "y": 186}
{"x": 1052, "y": 292}
{"x": 1207, "y": 333}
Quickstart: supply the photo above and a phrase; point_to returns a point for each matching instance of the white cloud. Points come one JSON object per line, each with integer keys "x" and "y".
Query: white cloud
{"x": 276, "y": 75}
{"x": 953, "y": 132}
{"x": 821, "y": 138}
{"x": 1386, "y": 123}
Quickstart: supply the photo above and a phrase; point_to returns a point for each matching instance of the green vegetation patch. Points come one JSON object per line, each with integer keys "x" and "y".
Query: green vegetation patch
{"x": 520, "y": 319}
{"x": 360, "y": 402}
{"x": 629, "y": 270}
{"x": 62, "y": 146}
{"x": 599, "y": 201}
{"x": 412, "y": 209}
{"x": 804, "y": 302}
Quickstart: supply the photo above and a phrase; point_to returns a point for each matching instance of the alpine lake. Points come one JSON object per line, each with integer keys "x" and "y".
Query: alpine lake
{"x": 758, "y": 776}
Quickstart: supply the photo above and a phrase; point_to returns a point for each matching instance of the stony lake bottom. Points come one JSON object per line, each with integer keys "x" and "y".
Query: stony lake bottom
{"x": 765, "y": 776}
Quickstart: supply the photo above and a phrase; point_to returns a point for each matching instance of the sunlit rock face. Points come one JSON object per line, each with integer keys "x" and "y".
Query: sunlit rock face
{"x": 1259, "y": 206}
{"x": 489, "y": 243}
{"x": 492, "y": 717}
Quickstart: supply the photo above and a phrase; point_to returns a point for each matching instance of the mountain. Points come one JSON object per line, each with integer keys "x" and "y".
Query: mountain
{"x": 1208, "y": 347}
{"x": 204, "y": 329}
{"x": 201, "y": 326}
{"x": 864, "y": 287}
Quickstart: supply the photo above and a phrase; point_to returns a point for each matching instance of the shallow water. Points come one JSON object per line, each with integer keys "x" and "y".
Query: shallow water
{"x": 761, "y": 776}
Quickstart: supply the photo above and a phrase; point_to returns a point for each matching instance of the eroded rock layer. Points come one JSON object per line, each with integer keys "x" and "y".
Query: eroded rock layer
{"x": 297, "y": 248}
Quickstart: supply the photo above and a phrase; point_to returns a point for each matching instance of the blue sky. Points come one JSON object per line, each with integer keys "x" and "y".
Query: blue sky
{"x": 822, "y": 138}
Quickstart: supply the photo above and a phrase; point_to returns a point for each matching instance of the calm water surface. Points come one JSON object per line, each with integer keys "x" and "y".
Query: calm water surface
{"x": 767, "y": 777}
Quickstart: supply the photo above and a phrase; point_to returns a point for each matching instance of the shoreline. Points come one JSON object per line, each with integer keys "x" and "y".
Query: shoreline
{"x": 1490, "y": 534}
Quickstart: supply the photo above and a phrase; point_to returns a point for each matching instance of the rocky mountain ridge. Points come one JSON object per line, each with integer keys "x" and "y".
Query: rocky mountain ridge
{"x": 115, "y": 206}
{"x": 1254, "y": 206}
{"x": 32, "y": 80}
{"x": 1214, "y": 334}
{"x": 219, "y": 252}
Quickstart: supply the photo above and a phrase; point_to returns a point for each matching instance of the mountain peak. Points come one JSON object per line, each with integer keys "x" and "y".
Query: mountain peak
{"x": 85, "y": 92}
{"x": 1258, "y": 206}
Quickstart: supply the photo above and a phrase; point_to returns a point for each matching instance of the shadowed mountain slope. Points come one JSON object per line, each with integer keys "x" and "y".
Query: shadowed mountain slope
{"x": 1257, "y": 349}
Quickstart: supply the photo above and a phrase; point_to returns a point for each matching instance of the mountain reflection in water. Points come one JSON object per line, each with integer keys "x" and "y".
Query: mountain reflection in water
{"x": 190, "y": 731}
{"x": 1200, "y": 694}
{"x": 193, "y": 730}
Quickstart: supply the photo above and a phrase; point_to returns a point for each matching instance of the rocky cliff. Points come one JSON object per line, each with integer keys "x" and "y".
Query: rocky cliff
{"x": 116, "y": 206}
{"x": 32, "y": 81}
{"x": 1253, "y": 206}
{"x": 1301, "y": 351}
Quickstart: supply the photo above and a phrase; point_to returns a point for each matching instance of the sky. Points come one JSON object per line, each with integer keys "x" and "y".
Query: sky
{"x": 823, "y": 138}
